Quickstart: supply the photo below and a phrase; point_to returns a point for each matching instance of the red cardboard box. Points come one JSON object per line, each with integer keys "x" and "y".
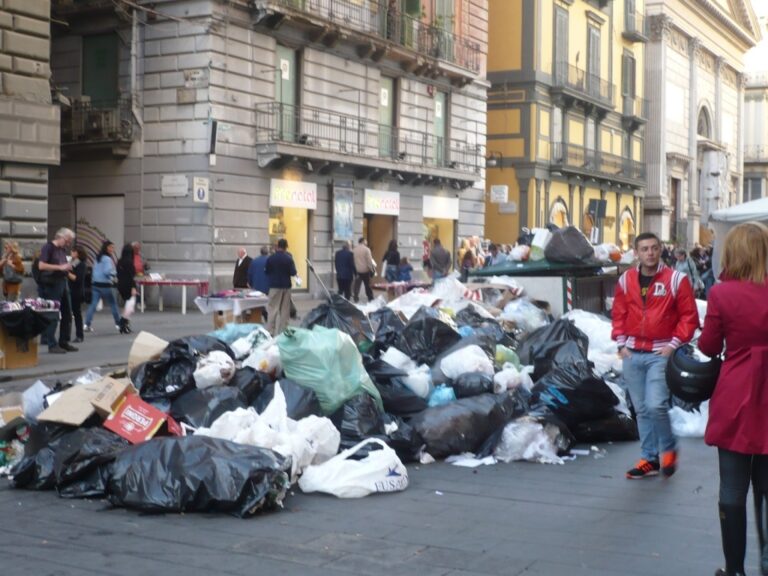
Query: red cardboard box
{"x": 137, "y": 421}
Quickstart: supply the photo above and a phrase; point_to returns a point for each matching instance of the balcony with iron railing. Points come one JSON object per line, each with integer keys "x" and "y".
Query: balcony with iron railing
{"x": 576, "y": 159}
{"x": 634, "y": 27}
{"x": 331, "y": 139}
{"x": 634, "y": 112}
{"x": 92, "y": 125}
{"x": 377, "y": 20}
{"x": 589, "y": 88}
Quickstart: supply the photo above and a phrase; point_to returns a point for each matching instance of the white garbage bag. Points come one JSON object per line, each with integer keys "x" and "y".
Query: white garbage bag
{"x": 265, "y": 359}
{"x": 690, "y": 424}
{"x": 509, "y": 378}
{"x": 524, "y": 314}
{"x": 398, "y": 359}
{"x": 214, "y": 369}
{"x": 258, "y": 338}
{"x": 468, "y": 359}
{"x": 541, "y": 237}
{"x": 380, "y": 471}
{"x": 603, "y": 351}
{"x": 525, "y": 439}
{"x": 419, "y": 380}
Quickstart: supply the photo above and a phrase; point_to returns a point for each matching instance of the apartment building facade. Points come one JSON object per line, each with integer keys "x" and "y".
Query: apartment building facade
{"x": 200, "y": 126}
{"x": 566, "y": 116}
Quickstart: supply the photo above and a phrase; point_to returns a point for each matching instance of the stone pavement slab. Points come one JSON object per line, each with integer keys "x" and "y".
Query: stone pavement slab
{"x": 582, "y": 518}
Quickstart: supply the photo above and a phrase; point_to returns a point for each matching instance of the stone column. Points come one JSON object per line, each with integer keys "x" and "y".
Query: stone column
{"x": 694, "y": 52}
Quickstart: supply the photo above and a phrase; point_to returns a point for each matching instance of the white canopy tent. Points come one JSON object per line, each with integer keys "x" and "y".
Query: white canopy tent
{"x": 723, "y": 220}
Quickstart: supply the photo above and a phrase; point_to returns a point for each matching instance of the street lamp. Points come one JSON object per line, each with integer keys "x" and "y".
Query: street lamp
{"x": 494, "y": 160}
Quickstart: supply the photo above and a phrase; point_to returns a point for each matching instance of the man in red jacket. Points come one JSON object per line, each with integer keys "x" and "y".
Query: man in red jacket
{"x": 654, "y": 312}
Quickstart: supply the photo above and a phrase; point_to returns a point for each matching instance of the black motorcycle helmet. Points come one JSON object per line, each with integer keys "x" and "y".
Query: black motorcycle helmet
{"x": 689, "y": 378}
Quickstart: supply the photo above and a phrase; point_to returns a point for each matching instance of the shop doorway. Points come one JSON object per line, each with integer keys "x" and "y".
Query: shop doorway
{"x": 379, "y": 230}
{"x": 443, "y": 229}
{"x": 98, "y": 218}
{"x": 293, "y": 225}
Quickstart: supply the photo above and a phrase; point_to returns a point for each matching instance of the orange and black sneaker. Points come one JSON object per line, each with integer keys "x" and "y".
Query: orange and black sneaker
{"x": 643, "y": 469}
{"x": 669, "y": 463}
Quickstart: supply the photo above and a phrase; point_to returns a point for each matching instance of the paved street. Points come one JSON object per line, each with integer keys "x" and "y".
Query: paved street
{"x": 580, "y": 518}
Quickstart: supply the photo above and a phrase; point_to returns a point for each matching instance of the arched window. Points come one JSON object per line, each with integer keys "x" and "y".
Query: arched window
{"x": 704, "y": 126}
{"x": 627, "y": 229}
{"x": 558, "y": 213}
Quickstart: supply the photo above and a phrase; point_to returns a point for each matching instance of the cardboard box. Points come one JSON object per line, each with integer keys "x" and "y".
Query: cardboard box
{"x": 221, "y": 318}
{"x": 78, "y": 403}
{"x": 17, "y": 353}
{"x": 145, "y": 347}
{"x": 11, "y": 407}
{"x": 250, "y": 316}
{"x": 138, "y": 421}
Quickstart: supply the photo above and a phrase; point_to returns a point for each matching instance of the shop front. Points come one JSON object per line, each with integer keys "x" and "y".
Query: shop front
{"x": 440, "y": 214}
{"x": 381, "y": 209}
{"x": 290, "y": 206}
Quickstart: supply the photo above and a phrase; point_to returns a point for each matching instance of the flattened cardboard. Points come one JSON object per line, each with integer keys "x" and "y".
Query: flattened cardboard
{"x": 73, "y": 407}
{"x": 138, "y": 421}
{"x": 145, "y": 347}
{"x": 11, "y": 407}
{"x": 111, "y": 394}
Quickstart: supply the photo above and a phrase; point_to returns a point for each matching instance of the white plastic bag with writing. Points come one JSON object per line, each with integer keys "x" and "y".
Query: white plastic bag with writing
{"x": 380, "y": 471}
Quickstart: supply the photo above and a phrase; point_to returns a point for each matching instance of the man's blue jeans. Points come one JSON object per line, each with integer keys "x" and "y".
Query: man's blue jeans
{"x": 644, "y": 377}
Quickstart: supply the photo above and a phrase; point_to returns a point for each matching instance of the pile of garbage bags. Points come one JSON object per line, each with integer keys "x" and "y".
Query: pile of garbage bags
{"x": 231, "y": 420}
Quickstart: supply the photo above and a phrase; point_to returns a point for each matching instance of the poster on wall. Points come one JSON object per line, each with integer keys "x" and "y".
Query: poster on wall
{"x": 343, "y": 212}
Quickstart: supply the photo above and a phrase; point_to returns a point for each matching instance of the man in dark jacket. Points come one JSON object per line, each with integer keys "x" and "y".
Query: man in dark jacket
{"x": 279, "y": 268}
{"x": 240, "y": 277}
{"x": 345, "y": 269}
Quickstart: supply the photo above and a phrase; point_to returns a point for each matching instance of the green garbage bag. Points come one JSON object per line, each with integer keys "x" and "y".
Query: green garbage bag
{"x": 504, "y": 355}
{"x": 327, "y": 361}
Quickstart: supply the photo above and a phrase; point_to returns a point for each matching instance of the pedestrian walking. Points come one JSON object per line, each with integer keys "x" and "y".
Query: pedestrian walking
{"x": 240, "y": 275}
{"x": 439, "y": 260}
{"x": 737, "y": 314}
{"x": 77, "y": 289}
{"x": 53, "y": 267}
{"x": 126, "y": 286}
{"x": 103, "y": 282}
{"x": 344, "y": 262}
{"x": 13, "y": 271}
{"x": 685, "y": 265}
{"x": 364, "y": 270}
{"x": 280, "y": 268}
{"x": 654, "y": 312}
{"x": 257, "y": 276}
{"x": 391, "y": 262}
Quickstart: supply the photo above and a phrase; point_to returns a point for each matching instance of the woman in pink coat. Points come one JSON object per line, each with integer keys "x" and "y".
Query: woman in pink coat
{"x": 737, "y": 316}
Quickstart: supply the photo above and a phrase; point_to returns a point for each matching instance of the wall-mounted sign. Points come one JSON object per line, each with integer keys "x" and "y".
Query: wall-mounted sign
{"x": 381, "y": 202}
{"x": 200, "y": 190}
{"x": 173, "y": 185}
{"x": 443, "y": 207}
{"x": 508, "y": 208}
{"x": 343, "y": 211}
{"x": 499, "y": 193}
{"x": 293, "y": 194}
{"x": 285, "y": 69}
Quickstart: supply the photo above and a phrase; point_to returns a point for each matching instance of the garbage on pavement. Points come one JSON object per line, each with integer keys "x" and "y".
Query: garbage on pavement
{"x": 480, "y": 374}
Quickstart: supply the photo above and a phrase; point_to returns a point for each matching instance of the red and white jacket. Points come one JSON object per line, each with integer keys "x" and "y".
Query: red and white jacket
{"x": 668, "y": 317}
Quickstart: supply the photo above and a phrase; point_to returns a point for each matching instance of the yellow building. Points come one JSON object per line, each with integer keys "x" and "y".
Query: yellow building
{"x": 565, "y": 117}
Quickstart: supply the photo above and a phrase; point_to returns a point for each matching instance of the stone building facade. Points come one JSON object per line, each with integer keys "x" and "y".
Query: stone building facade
{"x": 29, "y": 122}
{"x": 232, "y": 123}
{"x": 695, "y": 138}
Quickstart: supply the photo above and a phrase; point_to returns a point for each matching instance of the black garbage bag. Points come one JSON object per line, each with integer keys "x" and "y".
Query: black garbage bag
{"x": 24, "y": 324}
{"x": 250, "y": 382}
{"x": 575, "y": 395}
{"x": 300, "y": 401}
{"x": 563, "y": 438}
{"x": 464, "y": 425}
{"x": 340, "y": 313}
{"x": 469, "y": 316}
{"x": 569, "y": 246}
{"x": 201, "y": 408}
{"x": 397, "y": 398}
{"x": 404, "y": 440}
{"x": 679, "y": 403}
{"x": 481, "y": 338}
{"x": 359, "y": 418}
{"x": 379, "y": 370}
{"x": 472, "y": 384}
{"x": 199, "y": 474}
{"x": 82, "y": 462}
{"x": 387, "y": 324}
{"x": 203, "y": 344}
{"x": 540, "y": 346}
{"x": 425, "y": 337}
{"x": 36, "y": 470}
{"x": 615, "y": 428}
{"x": 167, "y": 377}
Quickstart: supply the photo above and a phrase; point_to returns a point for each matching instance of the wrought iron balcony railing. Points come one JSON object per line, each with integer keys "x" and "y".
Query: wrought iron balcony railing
{"x": 351, "y": 135}
{"x": 385, "y": 20}
{"x": 600, "y": 164}
{"x": 634, "y": 107}
{"x": 586, "y": 83}
{"x": 634, "y": 27}
{"x": 755, "y": 152}
{"x": 89, "y": 122}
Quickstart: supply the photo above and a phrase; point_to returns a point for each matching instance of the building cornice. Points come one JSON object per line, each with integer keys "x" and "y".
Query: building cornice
{"x": 749, "y": 36}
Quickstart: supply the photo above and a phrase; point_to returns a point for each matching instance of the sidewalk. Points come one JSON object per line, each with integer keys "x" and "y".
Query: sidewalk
{"x": 108, "y": 349}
